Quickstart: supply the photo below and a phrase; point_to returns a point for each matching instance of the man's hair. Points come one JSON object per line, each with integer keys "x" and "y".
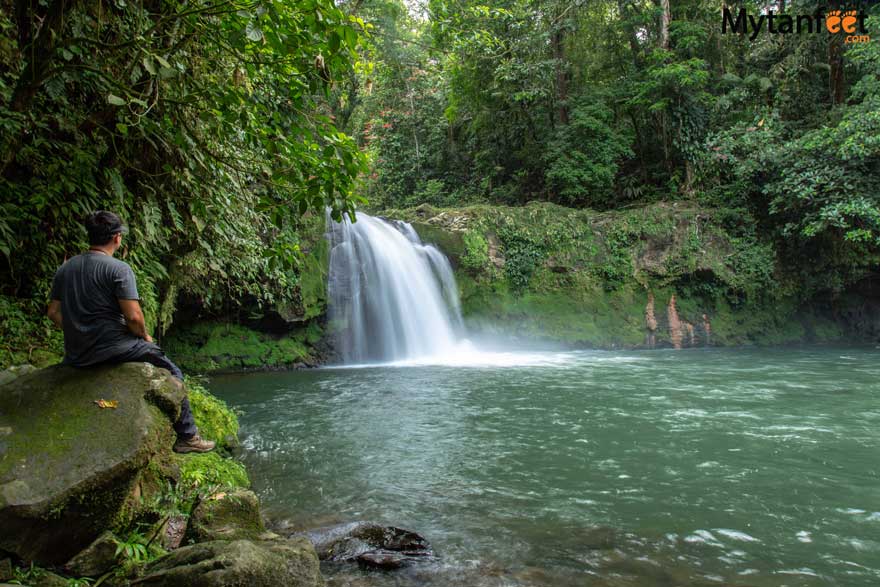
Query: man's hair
{"x": 102, "y": 225}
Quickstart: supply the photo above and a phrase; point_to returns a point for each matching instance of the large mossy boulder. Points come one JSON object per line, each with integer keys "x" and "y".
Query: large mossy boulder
{"x": 238, "y": 563}
{"x": 70, "y": 469}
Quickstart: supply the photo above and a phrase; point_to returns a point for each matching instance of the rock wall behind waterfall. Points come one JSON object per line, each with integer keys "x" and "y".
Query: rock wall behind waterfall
{"x": 666, "y": 275}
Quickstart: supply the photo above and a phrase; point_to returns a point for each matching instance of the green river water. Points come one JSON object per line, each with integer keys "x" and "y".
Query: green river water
{"x": 656, "y": 468}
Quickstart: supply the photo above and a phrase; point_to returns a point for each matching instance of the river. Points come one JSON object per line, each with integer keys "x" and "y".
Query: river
{"x": 738, "y": 467}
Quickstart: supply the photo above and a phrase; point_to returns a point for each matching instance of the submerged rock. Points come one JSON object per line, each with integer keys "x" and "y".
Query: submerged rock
{"x": 369, "y": 544}
{"x": 599, "y": 538}
{"x": 236, "y": 563}
{"x": 383, "y": 560}
{"x": 70, "y": 469}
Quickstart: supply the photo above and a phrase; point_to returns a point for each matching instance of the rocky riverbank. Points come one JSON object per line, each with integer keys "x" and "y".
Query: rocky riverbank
{"x": 91, "y": 491}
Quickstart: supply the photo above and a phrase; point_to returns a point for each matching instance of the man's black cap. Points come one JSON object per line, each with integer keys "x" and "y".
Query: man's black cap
{"x": 102, "y": 225}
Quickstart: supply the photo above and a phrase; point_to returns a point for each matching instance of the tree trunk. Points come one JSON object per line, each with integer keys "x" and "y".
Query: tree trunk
{"x": 836, "y": 79}
{"x": 558, "y": 43}
{"x": 665, "y": 19}
{"x": 39, "y": 35}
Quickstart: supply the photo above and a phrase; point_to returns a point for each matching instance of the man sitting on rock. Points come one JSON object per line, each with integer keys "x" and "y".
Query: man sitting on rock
{"x": 95, "y": 301}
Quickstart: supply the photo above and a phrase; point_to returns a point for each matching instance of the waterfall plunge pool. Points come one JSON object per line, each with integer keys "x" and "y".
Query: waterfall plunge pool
{"x": 708, "y": 467}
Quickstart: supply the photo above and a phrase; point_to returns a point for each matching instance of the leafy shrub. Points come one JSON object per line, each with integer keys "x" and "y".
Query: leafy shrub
{"x": 210, "y": 470}
{"x": 476, "y": 257}
{"x": 523, "y": 253}
{"x": 615, "y": 265}
{"x": 27, "y": 335}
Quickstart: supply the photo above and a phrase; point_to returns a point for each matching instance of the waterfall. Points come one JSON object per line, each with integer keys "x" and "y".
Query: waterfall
{"x": 391, "y": 297}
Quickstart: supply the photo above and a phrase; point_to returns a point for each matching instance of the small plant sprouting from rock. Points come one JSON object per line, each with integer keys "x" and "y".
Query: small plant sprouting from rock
{"x": 26, "y": 575}
{"x": 134, "y": 548}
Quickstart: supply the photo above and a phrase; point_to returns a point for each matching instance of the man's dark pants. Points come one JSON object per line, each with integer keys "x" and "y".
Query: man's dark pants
{"x": 148, "y": 352}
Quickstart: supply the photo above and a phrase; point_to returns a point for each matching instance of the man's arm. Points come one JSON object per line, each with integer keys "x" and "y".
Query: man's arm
{"x": 54, "y": 312}
{"x": 134, "y": 318}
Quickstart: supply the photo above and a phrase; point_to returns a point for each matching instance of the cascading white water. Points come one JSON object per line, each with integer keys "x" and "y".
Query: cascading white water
{"x": 392, "y": 298}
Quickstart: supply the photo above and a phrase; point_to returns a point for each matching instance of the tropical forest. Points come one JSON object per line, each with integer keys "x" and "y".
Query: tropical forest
{"x": 457, "y": 293}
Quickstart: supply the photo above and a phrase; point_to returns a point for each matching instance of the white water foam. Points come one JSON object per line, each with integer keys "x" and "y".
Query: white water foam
{"x": 391, "y": 296}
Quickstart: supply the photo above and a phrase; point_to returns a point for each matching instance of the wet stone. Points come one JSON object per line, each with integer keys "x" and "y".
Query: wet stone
{"x": 599, "y": 538}
{"x": 382, "y": 560}
{"x": 173, "y": 532}
{"x": 370, "y": 545}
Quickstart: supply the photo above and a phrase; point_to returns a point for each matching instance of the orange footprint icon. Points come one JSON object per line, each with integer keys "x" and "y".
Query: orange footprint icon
{"x": 849, "y": 21}
{"x": 832, "y": 21}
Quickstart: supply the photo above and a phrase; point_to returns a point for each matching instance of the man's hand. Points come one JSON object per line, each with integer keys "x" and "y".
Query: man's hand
{"x": 134, "y": 318}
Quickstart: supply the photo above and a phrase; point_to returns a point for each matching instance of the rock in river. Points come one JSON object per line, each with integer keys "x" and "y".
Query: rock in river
{"x": 370, "y": 545}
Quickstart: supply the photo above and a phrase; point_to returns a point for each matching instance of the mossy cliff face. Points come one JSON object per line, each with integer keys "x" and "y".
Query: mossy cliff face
{"x": 217, "y": 346}
{"x": 314, "y": 260}
{"x": 666, "y": 275}
{"x": 284, "y": 336}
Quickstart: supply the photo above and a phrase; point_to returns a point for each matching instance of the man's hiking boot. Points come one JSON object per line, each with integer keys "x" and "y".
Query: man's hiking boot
{"x": 193, "y": 444}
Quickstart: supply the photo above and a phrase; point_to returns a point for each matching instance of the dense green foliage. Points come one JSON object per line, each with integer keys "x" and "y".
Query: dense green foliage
{"x": 625, "y": 102}
{"x": 220, "y": 130}
{"x": 26, "y": 335}
{"x": 205, "y": 125}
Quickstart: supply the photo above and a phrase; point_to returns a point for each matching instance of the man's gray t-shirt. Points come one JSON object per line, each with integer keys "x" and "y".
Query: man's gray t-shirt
{"x": 89, "y": 287}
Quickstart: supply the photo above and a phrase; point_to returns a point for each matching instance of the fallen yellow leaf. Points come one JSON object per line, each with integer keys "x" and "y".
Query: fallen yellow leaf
{"x": 104, "y": 403}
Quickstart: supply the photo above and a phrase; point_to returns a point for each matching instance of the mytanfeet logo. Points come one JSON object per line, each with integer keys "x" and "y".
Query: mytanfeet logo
{"x": 849, "y": 23}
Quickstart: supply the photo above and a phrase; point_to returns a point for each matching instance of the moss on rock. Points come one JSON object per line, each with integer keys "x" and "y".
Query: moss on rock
{"x": 223, "y": 563}
{"x": 226, "y": 516}
{"x": 215, "y": 420}
{"x": 211, "y": 470}
{"x": 68, "y": 468}
{"x": 210, "y": 347}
